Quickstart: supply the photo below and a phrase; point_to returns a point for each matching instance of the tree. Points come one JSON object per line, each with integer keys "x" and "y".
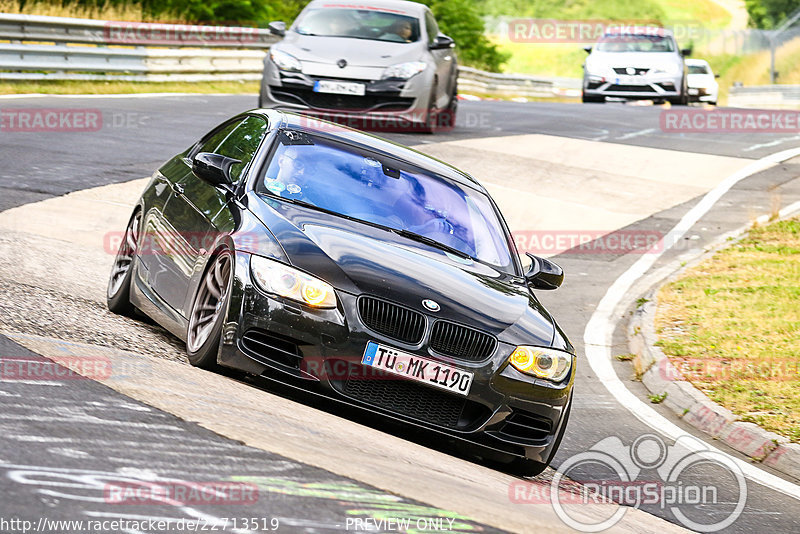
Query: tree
{"x": 460, "y": 19}
{"x": 769, "y": 14}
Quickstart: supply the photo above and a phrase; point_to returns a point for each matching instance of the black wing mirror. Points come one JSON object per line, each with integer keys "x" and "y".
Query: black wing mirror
{"x": 588, "y": 49}
{"x": 442, "y": 42}
{"x": 686, "y": 52}
{"x": 277, "y": 27}
{"x": 214, "y": 168}
{"x": 544, "y": 274}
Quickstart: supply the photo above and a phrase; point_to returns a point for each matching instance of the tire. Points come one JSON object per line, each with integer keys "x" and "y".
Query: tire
{"x": 683, "y": 100}
{"x": 430, "y": 126}
{"x": 207, "y": 315}
{"x": 119, "y": 282}
{"x": 530, "y": 468}
{"x": 448, "y": 116}
{"x": 590, "y": 99}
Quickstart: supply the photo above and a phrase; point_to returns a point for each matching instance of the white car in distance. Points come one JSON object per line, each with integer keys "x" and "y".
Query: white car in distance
{"x": 701, "y": 80}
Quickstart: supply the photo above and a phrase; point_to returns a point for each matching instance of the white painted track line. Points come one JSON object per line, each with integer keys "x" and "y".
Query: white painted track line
{"x": 601, "y": 326}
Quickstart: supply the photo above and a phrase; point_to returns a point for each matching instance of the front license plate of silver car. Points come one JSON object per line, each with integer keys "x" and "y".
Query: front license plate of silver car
{"x": 339, "y": 88}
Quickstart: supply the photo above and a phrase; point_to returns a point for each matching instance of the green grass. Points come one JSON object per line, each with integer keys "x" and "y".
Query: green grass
{"x": 562, "y": 60}
{"x": 565, "y": 60}
{"x": 705, "y": 12}
{"x": 732, "y": 325}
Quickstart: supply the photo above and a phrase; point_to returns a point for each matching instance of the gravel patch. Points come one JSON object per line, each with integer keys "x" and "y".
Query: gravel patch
{"x": 27, "y": 309}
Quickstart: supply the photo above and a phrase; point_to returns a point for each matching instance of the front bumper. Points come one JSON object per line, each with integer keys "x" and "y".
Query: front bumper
{"x": 401, "y": 101}
{"x": 505, "y": 412}
{"x": 635, "y": 86}
{"x": 703, "y": 94}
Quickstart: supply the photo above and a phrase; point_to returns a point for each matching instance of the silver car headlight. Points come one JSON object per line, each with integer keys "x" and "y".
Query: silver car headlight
{"x": 285, "y": 61}
{"x": 279, "y": 279}
{"x": 550, "y": 364}
{"x": 595, "y": 70}
{"x": 404, "y": 71}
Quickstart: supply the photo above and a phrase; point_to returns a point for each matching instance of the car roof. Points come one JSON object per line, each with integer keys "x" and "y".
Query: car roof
{"x": 697, "y": 62}
{"x": 401, "y": 6}
{"x": 637, "y": 30}
{"x": 367, "y": 141}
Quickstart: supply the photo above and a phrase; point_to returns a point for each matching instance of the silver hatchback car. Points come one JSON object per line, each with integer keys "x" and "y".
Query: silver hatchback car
{"x": 636, "y": 63}
{"x": 376, "y": 63}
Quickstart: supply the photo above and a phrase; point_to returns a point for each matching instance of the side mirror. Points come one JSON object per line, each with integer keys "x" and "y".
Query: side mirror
{"x": 588, "y": 49}
{"x": 277, "y": 27}
{"x": 214, "y": 168}
{"x": 442, "y": 42}
{"x": 544, "y": 274}
{"x": 686, "y": 52}
{"x": 716, "y": 76}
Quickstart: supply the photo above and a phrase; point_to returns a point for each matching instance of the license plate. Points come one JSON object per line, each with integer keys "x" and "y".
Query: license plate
{"x": 694, "y": 92}
{"x": 417, "y": 368}
{"x": 629, "y": 80}
{"x": 340, "y": 88}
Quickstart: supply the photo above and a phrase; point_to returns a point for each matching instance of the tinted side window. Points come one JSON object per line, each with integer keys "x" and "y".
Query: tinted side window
{"x": 216, "y": 137}
{"x": 432, "y": 27}
{"x": 242, "y": 143}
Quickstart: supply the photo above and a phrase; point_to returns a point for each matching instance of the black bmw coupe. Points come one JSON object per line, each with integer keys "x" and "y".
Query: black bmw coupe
{"x": 343, "y": 263}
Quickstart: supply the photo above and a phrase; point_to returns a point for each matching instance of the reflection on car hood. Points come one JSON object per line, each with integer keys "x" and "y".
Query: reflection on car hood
{"x": 360, "y": 259}
{"x": 357, "y": 52}
{"x": 647, "y": 60}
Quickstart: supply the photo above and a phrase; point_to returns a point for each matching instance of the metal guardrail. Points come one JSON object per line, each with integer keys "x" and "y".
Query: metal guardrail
{"x": 59, "y": 48}
{"x": 30, "y": 28}
{"x": 765, "y": 97}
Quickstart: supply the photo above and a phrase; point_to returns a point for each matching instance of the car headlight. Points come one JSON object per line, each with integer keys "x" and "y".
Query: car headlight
{"x": 670, "y": 69}
{"x": 595, "y": 69}
{"x": 549, "y": 364}
{"x": 277, "y": 278}
{"x": 285, "y": 61}
{"x": 404, "y": 71}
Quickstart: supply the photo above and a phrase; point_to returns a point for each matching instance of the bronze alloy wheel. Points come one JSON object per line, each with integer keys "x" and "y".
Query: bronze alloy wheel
{"x": 119, "y": 283}
{"x": 209, "y": 305}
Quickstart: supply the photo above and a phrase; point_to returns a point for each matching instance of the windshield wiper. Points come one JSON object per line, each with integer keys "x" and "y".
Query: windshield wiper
{"x": 432, "y": 242}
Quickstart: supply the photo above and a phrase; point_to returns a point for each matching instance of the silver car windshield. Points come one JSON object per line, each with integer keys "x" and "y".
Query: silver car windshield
{"x": 358, "y": 24}
{"x": 635, "y": 43}
{"x": 339, "y": 179}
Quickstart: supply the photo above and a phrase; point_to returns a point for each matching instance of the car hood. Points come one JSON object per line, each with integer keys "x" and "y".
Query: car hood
{"x": 357, "y": 52}
{"x": 647, "y": 60}
{"x": 701, "y": 80}
{"x": 360, "y": 259}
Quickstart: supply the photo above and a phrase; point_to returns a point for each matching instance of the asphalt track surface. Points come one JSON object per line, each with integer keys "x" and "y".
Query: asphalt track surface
{"x": 140, "y": 133}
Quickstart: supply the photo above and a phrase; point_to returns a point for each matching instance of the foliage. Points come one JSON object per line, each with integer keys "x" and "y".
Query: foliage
{"x": 460, "y": 19}
{"x": 769, "y": 14}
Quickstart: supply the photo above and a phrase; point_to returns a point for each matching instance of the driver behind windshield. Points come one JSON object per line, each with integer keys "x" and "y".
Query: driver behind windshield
{"x": 401, "y": 31}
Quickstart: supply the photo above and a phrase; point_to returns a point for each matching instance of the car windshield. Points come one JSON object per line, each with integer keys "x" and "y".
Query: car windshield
{"x": 698, "y": 69}
{"x": 359, "y": 24}
{"x": 341, "y": 179}
{"x": 635, "y": 43}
